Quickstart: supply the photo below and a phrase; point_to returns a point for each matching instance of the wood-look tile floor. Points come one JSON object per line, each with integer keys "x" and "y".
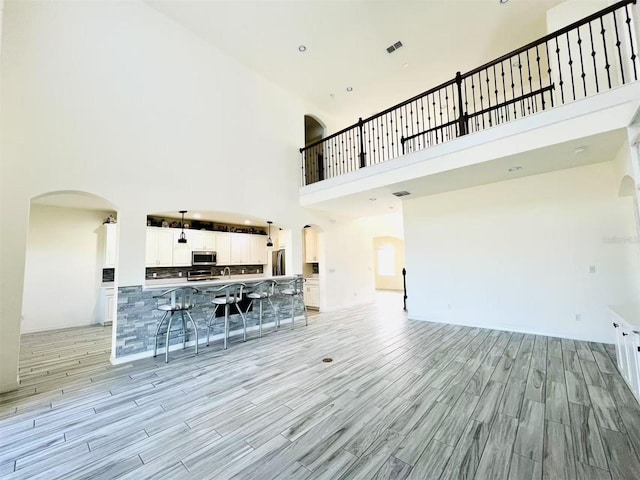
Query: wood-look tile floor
{"x": 401, "y": 399}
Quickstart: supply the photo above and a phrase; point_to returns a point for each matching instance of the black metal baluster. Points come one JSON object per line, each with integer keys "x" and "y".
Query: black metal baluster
{"x": 386, "y": 132}
{"x": 532, "y": 100}
{"x": 631, "y": 42}
{"x": 505, "y": 115}
{"x": 446, "y": 103}
{"x": 394, "y": 132}
{"x": 488, "y": 82}
{"x": 513, "y": 91}
{"x": 336, "y": 168}
{"x": 593, "y": 57}
{"x": 583, "y": 75}
{"x": 522, "y": 109}
{"x": 618, "y": 43}
{"x": 481, "y": 98}
{"x": 362, "y": 154}
{"x": 561, "y": 82}
{"x": 573, "y": 84}
{"x": 546, "y": 46}
{"x": 540, "y": 76}
{"x": 424, "y": 126}
{"x": 380, "y": 139}
{"x": 464, "y": 110}
{"x": 607, "y": 66}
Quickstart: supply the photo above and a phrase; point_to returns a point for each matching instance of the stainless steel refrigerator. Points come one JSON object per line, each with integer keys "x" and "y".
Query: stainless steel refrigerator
{"x": 277, "y": 265}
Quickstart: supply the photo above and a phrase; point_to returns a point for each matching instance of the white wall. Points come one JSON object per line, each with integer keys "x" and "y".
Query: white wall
{"x": 516, "y": 255}
{"x": 115, "y": 99}
{"x": 63, "y": 268}
{"x": 345, "y": 251}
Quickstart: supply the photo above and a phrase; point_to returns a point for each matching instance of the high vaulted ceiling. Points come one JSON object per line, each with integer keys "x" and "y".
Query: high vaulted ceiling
{"x": 346, "y": 43}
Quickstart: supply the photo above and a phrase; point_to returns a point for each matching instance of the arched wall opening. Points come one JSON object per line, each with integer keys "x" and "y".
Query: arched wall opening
{"x": 314, "y": 132}
{"x": 66, "y": 274}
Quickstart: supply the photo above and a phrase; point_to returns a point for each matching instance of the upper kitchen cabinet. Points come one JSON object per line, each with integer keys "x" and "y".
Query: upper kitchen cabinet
{"x": 200, "y": 240}
{"x": 259, "y": 252}
{"x": 159, "y": 247}
{"x": 182, "y": 251}
{"x": 223, "y": 248}
{"x": 240, "y": 249}
{"x": 310, "y": 245}
{"x": 109, "y": 233}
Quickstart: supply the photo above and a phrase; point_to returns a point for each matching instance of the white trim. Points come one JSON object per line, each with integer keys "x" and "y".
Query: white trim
{"x": 509, "y": 328}
{"x": 349, "y": 305}
{"x": 201, "y": 340}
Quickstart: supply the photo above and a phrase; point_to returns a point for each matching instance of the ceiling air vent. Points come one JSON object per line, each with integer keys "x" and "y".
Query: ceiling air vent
{"x": 402, "y": 193}
{"x": 394, "y": 47}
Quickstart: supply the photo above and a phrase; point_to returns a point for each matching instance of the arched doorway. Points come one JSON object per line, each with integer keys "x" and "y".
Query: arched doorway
{"x": 67, "y": 258}
{"x": 314, "y": 132}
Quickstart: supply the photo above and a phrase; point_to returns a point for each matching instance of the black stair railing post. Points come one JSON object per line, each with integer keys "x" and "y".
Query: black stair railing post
{"x": 404, "y": 283}
{"x": 362, "y": 154}
{"x": 462, "y": 123}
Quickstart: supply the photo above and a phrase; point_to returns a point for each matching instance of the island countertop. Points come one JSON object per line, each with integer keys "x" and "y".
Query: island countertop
{"x": 166, "y": 283}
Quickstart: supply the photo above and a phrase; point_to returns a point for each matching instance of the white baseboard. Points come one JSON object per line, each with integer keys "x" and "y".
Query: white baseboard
{"x": 201, "y": 341}
{"x": 349, "y": 305}
{"x": 508, "y": 328}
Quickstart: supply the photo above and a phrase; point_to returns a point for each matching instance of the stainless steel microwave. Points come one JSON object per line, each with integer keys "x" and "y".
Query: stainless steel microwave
{"x": 203, "y": 258}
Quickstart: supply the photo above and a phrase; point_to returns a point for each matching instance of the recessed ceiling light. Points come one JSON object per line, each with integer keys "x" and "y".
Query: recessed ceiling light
{"x": 247, "y": 222}
{"x": 197, "y": 216}
{"x": 302, "y": 48}
{"x": 349, "y": 89}
{"x": 515, "y": 169}
{"x": 373, "y": 199}
{"x": 580, "y": 150}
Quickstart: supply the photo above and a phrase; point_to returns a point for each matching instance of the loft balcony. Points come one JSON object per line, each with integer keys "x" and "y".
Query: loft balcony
{"x": 583, "y": 60}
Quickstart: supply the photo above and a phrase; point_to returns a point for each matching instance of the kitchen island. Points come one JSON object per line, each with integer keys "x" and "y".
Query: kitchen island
{"x": 137, "y": 316}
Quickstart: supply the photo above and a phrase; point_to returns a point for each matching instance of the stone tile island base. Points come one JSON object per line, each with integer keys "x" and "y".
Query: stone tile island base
{"x": 138, "y": 318}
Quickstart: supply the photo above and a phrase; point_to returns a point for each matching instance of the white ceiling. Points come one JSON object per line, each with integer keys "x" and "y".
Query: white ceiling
{"x": 598, "y": 148}
{"x": 346, "y": 43}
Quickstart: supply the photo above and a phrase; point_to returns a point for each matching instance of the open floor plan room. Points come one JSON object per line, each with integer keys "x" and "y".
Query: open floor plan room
{"x": 401, "y": 399}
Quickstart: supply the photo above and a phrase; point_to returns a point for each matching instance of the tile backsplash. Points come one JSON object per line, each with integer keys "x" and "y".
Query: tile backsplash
{"x": 174, "y": 272}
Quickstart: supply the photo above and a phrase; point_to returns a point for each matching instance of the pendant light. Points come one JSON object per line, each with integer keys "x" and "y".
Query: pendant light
{"x": 269, "y": 241}
{"x": 183, "y": 237}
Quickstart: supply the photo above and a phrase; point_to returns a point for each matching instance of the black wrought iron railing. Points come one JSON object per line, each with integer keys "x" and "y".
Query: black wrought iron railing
{"x": 592, "y": 55}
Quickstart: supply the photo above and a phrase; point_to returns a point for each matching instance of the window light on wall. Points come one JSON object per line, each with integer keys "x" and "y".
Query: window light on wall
{"x": 387, "y": 261}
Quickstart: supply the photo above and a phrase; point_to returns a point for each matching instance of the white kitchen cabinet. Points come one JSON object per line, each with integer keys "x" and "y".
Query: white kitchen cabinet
{"x": 259, "y": 250}
{"x": 110, "y": 239}
{"x": 208, "y": 241}
{"x": 312, "y": 293}
{"x": 223, "y": 248}
{"x": 310, "y": 245}
{"x": 240, "y": 249}
{"x": 107, "y": 305}
{"x": 627, "y": 335}
{"x": 198, "y": 240}
{"x": 159, "y": 251}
